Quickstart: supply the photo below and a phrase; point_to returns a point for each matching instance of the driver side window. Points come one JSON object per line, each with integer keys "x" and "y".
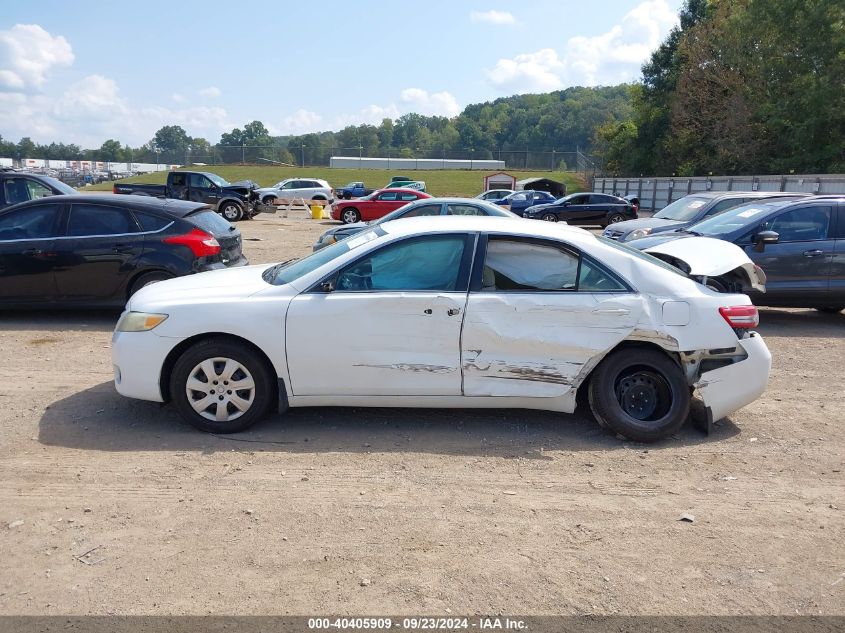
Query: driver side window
{"x": 429, "y": 263}
{"x": 802, "y": 225}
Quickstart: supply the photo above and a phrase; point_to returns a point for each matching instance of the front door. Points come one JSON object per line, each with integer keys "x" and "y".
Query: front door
{"x": 391, "y": 326}
{"x": 537, "y": 318}
{"x": 798, "y": 266}
{"x": 27, "y": 237}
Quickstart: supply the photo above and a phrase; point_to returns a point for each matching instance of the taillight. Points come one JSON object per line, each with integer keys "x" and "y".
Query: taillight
{"x": 742, "y": 317}
{"x": 114, "y": 188}
{"x": 201, "y": 243}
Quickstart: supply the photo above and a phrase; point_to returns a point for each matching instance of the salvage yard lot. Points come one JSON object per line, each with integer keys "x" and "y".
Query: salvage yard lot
{"x": 109, "y": 505}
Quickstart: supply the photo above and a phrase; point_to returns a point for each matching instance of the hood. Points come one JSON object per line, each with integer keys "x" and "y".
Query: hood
{"x": 231, "y": 283}
{"x": 710, "y": 257}
{"x": 248, "y": 184}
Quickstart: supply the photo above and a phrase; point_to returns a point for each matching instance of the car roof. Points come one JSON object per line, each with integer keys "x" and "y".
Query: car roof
{"x": 742, "y": 194}
{"x": 176, "y": 208}
{"x": 476, "y": 223}
{"x": 403, "y": 190}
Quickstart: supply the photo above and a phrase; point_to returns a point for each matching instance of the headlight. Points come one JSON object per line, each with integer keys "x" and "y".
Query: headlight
{"x": 637, "y": 234}
{"x": 328, "y": 239}
{"x": 139, "y": 321}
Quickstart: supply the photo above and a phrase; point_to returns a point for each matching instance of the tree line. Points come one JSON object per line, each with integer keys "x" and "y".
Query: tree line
{"x": 739, "y": 87}
{"x": 562, "y": 120}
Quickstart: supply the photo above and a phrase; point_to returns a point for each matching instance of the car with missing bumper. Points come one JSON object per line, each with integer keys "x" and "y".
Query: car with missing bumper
{"x": 451, "y": 312}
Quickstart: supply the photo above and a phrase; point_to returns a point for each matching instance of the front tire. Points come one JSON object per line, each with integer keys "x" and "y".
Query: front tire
{"x": 550, "y": 217}
{"x": 232, "y": 211}
{"x": 350, "y": 215}
{"x": 641, "y": 394}
{"x": 221, "y": 387}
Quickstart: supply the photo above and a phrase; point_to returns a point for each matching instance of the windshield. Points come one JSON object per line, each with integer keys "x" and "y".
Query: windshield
{"x": 217, "y": 180}
{"x": 730, "y": 221}
{"x": 292, "y": 270}
{"x": 682, "y": 210}
{"x": 59, "y": 185}
{"x": 641, "y": 255}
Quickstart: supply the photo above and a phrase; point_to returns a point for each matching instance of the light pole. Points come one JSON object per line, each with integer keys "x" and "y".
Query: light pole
{"x": 243, "y": 153}
{"x": 471, "y": 150}
{"x": 302, "y": 149}
{"x": 360, "y": 149}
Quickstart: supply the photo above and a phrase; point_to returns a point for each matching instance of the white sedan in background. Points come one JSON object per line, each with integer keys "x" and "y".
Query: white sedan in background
{"x": 446, "y": 312}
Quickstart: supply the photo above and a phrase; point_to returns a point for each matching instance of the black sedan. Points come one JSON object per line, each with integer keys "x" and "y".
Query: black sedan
{"x": 588, "y": 209}
{"x": 425, "y": 206}
{"x": 97, "y": 250}
{"x": 799, "y": 244}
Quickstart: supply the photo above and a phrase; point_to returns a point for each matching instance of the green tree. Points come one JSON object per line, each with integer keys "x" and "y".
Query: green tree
{"x": 110, "y": 151}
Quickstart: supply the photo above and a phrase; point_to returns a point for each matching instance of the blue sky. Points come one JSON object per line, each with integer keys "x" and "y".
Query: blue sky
{"x": 87, "y": 71}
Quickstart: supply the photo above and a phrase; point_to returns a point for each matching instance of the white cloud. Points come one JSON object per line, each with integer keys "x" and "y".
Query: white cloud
{"x": 212, "y": 92}
{"x": 609, "y": 58}
{"x": 430, "y": 104}
{"x": 27, "y": 54}
{"x": 539, "y": 72}
{"x": 492, "y": 17}
{"x": 300, "y": 122}
{"x": 178, "y": 98}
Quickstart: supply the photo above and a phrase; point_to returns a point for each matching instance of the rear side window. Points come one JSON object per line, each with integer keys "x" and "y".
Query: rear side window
{"x": 150, "y": 222}
{"x": 724, "y": 205}
{"x": 408, "y": 196}
{"x": 464, "y": 209}
{"x": 389, "y": 195}
{"x": 425, "y": 209}
{"x": 210, "y": 222}
{"x": 90, "y": 220}
{"x": 29, "y": 224}
{"x": 527, "y": 266}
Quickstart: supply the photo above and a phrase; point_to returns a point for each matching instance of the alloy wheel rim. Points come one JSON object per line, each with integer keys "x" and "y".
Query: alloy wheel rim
{"x": 220, "y": 389}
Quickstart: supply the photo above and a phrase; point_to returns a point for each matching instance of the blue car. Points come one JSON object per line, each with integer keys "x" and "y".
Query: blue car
{"x": 519, "y": 201}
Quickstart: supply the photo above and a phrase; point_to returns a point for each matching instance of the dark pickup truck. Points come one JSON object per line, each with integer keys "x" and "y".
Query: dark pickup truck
{"x": 234, "y": 201}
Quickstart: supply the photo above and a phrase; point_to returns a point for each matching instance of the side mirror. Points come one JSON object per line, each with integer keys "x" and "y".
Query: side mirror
{"x": 764, "y": 237}
{"x": 327, "y": 286}
{"x": 566, "y": 203}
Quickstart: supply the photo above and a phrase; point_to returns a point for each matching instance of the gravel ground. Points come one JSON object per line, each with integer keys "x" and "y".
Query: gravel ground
{"x": 109, "y": 505}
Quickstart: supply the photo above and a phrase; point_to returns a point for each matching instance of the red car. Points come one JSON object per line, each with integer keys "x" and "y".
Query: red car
{"x": 372, "y": 207}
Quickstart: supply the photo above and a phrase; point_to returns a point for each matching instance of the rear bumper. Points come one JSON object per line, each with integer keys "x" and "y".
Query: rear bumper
{"x": 241, "y": 261}
{"x": 728, "y": 389}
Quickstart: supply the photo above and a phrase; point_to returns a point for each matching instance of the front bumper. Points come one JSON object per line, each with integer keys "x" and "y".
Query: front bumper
{"x": 137, "y": 359}
{"x": 728, "y": 389}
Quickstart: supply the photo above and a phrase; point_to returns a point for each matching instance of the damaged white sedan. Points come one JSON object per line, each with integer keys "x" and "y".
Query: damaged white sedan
{"x": 451, "y": 312}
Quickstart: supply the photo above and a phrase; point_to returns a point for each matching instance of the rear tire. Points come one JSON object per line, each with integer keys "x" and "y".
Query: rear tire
{"x": 350, "y": 215}
{"x": 550, "y": 217}
{"x": 147, "y": 279}
{"x": 219, "y": 386}
{"x": 231, "y": 211}
{"x": 639, "y": 393}
{"x": 615, "y": 218}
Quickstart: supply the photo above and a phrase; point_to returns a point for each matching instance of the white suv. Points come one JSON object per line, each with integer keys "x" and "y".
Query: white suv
{"x": 307, "y": 188}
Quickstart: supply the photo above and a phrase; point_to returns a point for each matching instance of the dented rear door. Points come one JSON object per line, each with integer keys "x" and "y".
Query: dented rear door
{"x": 529, "y": 331}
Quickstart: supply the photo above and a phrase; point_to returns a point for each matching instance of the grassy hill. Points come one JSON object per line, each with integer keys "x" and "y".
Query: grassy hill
{"x": 438, "y": 182}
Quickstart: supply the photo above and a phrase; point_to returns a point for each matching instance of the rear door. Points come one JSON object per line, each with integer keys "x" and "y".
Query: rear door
{"x": 537, "y": 312}
{"x": 27, "y": 237}
{"x": 97, "y": 252}
{"x": 798, "y": 267}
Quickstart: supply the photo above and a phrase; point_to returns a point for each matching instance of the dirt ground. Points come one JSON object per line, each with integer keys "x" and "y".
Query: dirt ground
{"x": 109, "y": 505}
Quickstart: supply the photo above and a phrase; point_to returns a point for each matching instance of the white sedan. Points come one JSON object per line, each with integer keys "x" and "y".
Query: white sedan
{"x": 446, "y": 312}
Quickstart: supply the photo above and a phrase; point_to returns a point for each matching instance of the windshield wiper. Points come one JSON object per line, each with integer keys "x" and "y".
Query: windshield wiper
{"x": 270, "y": 273}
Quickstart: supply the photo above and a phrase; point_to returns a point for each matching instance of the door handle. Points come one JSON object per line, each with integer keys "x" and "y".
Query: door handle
{"x": 813, "y": 253}
{"x": 619, "y": 311}
{"x": 33, "y": 251}
{"x": 427, "y": 311}
{"x": 453, "y": 311}
{"x": 121, "y": 248}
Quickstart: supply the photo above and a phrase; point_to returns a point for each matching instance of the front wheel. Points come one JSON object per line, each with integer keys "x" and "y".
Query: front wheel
{"x": 550, "y": 217}
{"x": 221, "y": 387}
{"x": 350, "y": 215}
{"x": 232, "y": 211}
{"x": 641, "y": 394}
